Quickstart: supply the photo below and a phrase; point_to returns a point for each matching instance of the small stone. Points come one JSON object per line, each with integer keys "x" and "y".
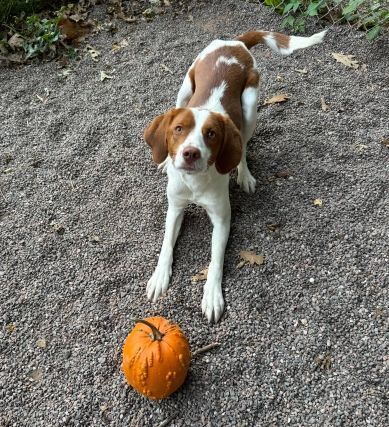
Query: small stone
{"x": 312, "y": 280}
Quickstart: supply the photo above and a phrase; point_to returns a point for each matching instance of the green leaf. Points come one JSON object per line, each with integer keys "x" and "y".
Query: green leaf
{"x": 312, "y": 9}
{"x": 374, "y": 32}
{"x": 352, "y": 6}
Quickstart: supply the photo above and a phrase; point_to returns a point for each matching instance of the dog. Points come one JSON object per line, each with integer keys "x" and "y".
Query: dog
{"x": 202, "y": 139}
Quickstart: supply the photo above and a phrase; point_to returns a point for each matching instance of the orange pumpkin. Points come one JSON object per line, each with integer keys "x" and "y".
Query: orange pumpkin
{"x": 156, "y": 357}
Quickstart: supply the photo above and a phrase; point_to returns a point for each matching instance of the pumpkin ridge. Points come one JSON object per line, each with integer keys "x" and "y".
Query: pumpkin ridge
{"x": 174, "y": 351}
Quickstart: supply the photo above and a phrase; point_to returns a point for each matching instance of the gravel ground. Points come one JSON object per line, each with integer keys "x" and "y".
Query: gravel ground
{"x": 304, "y": 339}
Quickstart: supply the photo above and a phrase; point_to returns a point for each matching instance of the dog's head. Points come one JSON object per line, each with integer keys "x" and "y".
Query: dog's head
{"x": 195, "y": 139}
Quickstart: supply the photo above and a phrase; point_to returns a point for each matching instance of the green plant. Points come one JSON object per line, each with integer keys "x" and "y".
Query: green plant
{"x": 370, "y": 15}
{"x": 41, "y": 36}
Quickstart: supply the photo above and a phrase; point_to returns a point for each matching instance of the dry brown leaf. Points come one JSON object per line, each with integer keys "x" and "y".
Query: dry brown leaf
{"x": 200, "y": 276}
{"x": 16, "y": 41}
{"x": 276, "y": 99}
{"x": 36, "y": 374}
{"x": 71, "y": 30}
{"x": 104, "y": 76}
{"x": 41, "y": 343}
{"x": 347, "y": 60}
{"x": 324, "y": 105}
{"x": 385, "y": 142}
{"x": 117, "y": 46}
{"x": 273, "y": 226}
{"x": 64, "y": 73}
{"x": 94, "y": 53}
{"x": 11, "y": 327}
{"x": 318, "y": 202}
{"x": 252, "y": 258}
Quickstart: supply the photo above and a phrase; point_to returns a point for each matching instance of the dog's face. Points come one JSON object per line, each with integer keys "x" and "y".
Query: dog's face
{"x": 195, "y": 139}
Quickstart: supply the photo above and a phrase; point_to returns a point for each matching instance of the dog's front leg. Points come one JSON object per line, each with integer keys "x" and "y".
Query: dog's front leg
{"x": 159, "y": 281}
{"x": 213, "y": 303}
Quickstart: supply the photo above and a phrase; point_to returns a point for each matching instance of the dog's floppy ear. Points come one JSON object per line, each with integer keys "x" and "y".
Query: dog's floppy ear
{"x": 155, "y": 136}
{"x": 230, "y": 152}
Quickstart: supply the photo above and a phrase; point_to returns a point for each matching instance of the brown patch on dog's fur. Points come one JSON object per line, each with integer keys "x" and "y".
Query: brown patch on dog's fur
{"x": 161, "y": 136}
{"x": 212, "y": 76}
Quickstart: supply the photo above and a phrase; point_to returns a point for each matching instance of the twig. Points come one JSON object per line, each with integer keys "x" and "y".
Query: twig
{"x": 205, "y": 348}
{"x": 168, "y": 420}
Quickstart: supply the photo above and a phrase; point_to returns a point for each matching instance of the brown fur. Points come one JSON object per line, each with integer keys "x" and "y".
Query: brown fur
{"x": 225, "y": 146}
{"x": 161, "y": 136}
{"x": 206, "y": 76}
{"x": 252, "y": 38}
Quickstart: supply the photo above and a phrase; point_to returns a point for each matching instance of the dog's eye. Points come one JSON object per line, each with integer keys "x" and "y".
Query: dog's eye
{"x": 211, "y": 134}
{"x": 178, "y": 129}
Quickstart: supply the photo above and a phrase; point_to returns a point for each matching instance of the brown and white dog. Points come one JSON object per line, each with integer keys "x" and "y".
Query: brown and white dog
{"x": 201, "y": 140}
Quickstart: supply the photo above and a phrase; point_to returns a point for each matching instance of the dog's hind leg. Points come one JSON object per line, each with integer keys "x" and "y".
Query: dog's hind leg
{"x": 249, "y": 109}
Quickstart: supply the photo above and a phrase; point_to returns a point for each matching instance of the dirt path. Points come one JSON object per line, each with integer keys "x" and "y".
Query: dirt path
{"x": 81, "y": 220}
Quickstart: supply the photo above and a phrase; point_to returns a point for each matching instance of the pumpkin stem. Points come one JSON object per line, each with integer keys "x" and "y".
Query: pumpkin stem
{"x": 156, "y": 334}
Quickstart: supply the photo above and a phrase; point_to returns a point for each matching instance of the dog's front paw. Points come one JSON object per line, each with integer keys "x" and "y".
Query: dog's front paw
{"x": 158, "y": 283}
{"x": 213, "y": 302}
{"x": 246, "y": 181}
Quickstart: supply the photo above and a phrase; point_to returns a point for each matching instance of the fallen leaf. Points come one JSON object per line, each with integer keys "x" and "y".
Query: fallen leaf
{"x": 385, "y": 142}
{"x": 36, "y": 374}
{"x": 273, "y": 226}
{"x": 347, "y": 60}
{"x": 41, "y": 343}
{"x": 95, "y": 239}
{"x": 11, "y": 327}
{"x": 43, "y": 99}
{"x": 323, "y": 362}
{"x": 94, "y": 53}
{"x": 117, "y": 46}
{"x": 276, "y": 99}
{"x": 149, "y": 13}
{"x": 16, "y": 41}
{"x": 13, "y": 57}
{"x": 166, "y": 68}
{"x": 200, "y": 276}
{"x": 104, "y": 76}
{"x": 318, "y": 202}
{"x": 251, "y": 257}
{"x": 64, "y": 73}
{"x": 302, "y": 71}
{"x": 241, "y": 264}
{"x": 361, "y": 147}
{"x": 324, "y": 106}
{"x": 190, "y": 17}
{"x": 71, "y": 30}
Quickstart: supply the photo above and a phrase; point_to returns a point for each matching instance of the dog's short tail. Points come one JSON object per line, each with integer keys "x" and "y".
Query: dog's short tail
{"x": 278, "y": 42}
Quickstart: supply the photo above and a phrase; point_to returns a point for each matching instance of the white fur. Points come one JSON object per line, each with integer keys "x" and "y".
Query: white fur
{"x": 185, "y": 92}
{"x": 295, "y": 42}
{"x": 217, "y": 44}
{"x": 195, "y": 139}
{"x": 228, "y": 60}
{"x": 214, "y": 101}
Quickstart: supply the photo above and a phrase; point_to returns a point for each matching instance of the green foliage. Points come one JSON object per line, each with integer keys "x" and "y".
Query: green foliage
{"x": 31, "y": 37}
{"x": 41, "y": 36}
{"x": 11, "y": 8}
{"x": 371, "y": 15}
